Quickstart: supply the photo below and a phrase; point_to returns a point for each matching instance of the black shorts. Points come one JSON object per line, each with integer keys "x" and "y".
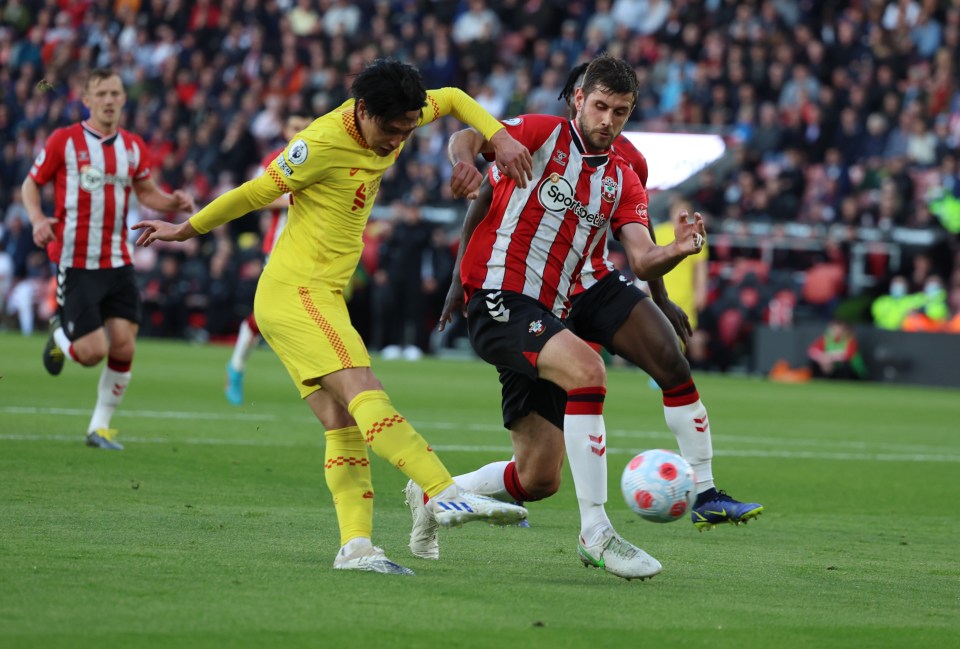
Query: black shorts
{"x": 88, "y": 297}
{"x": 509, "y": 330}
{"x": 599, "y": 312}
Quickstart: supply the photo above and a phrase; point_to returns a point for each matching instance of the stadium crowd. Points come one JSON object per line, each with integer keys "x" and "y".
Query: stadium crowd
{"x": 844, "y": 120}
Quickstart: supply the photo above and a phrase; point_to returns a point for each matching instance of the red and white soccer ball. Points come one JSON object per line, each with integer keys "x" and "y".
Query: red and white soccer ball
{"x": 659, "y": 486}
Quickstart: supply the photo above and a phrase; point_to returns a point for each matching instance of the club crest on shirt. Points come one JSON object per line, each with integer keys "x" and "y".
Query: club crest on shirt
{"x": 608, "y": 189}
{"x": 536, "y": 327}
{"x": 298, "y": 152}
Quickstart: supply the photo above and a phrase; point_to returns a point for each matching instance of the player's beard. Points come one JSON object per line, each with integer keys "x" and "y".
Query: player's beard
{"x": 593, "y": 144}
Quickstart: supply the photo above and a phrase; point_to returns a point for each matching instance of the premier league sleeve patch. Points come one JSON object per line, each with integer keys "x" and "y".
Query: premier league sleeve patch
{"x": 297, "y": 153}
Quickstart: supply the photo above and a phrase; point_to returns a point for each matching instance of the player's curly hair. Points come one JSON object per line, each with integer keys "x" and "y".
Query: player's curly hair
{"x": 611, "y": 75}
{"x": 389, "y": 89}
{"x": 573, "y": 82}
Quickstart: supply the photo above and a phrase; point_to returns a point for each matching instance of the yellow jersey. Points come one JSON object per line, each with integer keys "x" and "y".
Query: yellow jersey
{"x": 679, "y": 282}
{"x": 333, "y": 177}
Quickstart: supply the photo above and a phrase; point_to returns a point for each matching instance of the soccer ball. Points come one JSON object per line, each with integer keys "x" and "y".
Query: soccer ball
{"x": 659, "y": 486}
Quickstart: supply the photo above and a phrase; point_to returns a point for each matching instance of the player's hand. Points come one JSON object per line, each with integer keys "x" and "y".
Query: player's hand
{"x": 162, "y": 231}
{"x": 184, "y": 202}
{"x": 465, "y": 180}
{"x": 453, "y": 303}
{"x": 43, "y": 232}
{"x": 678, "y": 318}
{"x": 513, "y": 159}
{"x": 690, "y": 236}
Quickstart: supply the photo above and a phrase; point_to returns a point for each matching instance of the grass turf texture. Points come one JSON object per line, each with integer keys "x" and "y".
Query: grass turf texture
{"x": 214, "y": 528}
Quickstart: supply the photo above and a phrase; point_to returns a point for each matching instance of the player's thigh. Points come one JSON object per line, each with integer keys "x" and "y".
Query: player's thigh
{"x": 80, "y": 294}
{"x": 309, "y": 328}
{"x": 648, "y": 340}
{"x": 571, "y": 363}
{"x": 521, "y": 395}
{"x": 509, "y": 330}
{"x": 597, "y": 313}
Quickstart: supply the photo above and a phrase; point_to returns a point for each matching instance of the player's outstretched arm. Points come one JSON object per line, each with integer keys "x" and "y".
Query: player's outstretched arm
{"x": 163, "y": 231}
{"x": 648, "y": 260}
{"x": 475, "y": 214}
{"x": 156, "y": 199}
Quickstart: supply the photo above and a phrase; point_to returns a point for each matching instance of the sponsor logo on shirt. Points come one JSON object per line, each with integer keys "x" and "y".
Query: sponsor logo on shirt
{"x": 93, "y": 179}
{"x": 298, "y": 152}
{"x": 284, "y": 167}
{"x": 556, "y": 195}
{"x": 560, "y": 158}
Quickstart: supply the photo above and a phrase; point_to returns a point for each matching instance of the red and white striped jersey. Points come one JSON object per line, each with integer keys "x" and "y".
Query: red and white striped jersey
{"x": 535, "y": 241}
{"x": 599, "y": 264}
{"x": 278, "y": 218}
{"x": 94, "y": 175}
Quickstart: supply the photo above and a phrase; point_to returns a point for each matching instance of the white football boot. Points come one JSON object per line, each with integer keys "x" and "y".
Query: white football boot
{"x": 369, "y": 558}
{"x": 424, "y": 541}
{"x": 619, "y": 557}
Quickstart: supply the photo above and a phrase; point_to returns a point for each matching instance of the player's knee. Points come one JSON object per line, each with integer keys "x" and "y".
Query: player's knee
{"x": 89, "y": 352}
{"x": 541, "y": 486}
{"x": 590, "y": 372}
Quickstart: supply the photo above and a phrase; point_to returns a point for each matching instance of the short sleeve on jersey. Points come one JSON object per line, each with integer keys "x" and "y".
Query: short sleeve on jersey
{"x": 302, "y": 163}
{"x": 50, "y": 159}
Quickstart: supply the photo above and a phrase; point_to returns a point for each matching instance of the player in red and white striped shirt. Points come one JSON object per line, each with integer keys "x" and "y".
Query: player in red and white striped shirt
{"x": 94, "y": 165}
{"x": 518, "y": 271}
{"x": 249, "y": 334}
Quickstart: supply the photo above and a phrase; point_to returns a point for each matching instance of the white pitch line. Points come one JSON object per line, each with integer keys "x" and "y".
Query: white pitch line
{"x": 878, "y": 451}
{"x": 152, "y": 414}
{"x": 504, "y": 450}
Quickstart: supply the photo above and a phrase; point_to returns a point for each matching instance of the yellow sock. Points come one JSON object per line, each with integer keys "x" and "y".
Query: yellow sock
{"x": 394, "y": 439}
{"x": 347, "y": 471}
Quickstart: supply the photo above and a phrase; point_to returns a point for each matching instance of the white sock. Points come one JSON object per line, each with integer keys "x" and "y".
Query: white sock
{"x": 110, "y": 391}
{"x": 246, "y": 340}
{"x": 486, "y": 481}
{"x": 692, "y": 429}
{"x": 63, "y": 342}
{"x": 586, "y": 440}
{"x": 355, "y": 544}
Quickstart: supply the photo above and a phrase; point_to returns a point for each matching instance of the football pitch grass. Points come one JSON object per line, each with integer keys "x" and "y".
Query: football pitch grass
{"x": 214, "y": 527}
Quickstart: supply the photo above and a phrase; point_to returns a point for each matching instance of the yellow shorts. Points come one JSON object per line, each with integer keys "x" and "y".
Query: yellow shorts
{"x": 309, "y": 329}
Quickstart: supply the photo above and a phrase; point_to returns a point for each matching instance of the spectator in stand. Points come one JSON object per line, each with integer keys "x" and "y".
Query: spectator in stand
{"x": 835, "y": 354}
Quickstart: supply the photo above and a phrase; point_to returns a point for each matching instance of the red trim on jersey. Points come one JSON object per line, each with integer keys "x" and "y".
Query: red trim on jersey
{"x": 532, "y": 357}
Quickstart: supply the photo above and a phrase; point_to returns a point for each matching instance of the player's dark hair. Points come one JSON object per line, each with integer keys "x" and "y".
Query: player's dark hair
{"x": 389, "y": 89}
{"x": 573, "y": 81}
{"x": 611, "y": 75}
{"x": 99, "y": 74}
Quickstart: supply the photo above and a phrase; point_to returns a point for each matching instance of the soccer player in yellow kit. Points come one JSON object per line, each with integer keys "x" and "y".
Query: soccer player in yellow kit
{"x": 333, "y": 169}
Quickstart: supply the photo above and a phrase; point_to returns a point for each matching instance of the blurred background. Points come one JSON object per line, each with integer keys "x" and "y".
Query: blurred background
{"x": 819, "y": 140}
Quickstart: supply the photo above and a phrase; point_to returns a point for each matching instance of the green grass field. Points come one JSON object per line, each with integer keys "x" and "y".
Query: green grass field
{"x": 215, "y": 529}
